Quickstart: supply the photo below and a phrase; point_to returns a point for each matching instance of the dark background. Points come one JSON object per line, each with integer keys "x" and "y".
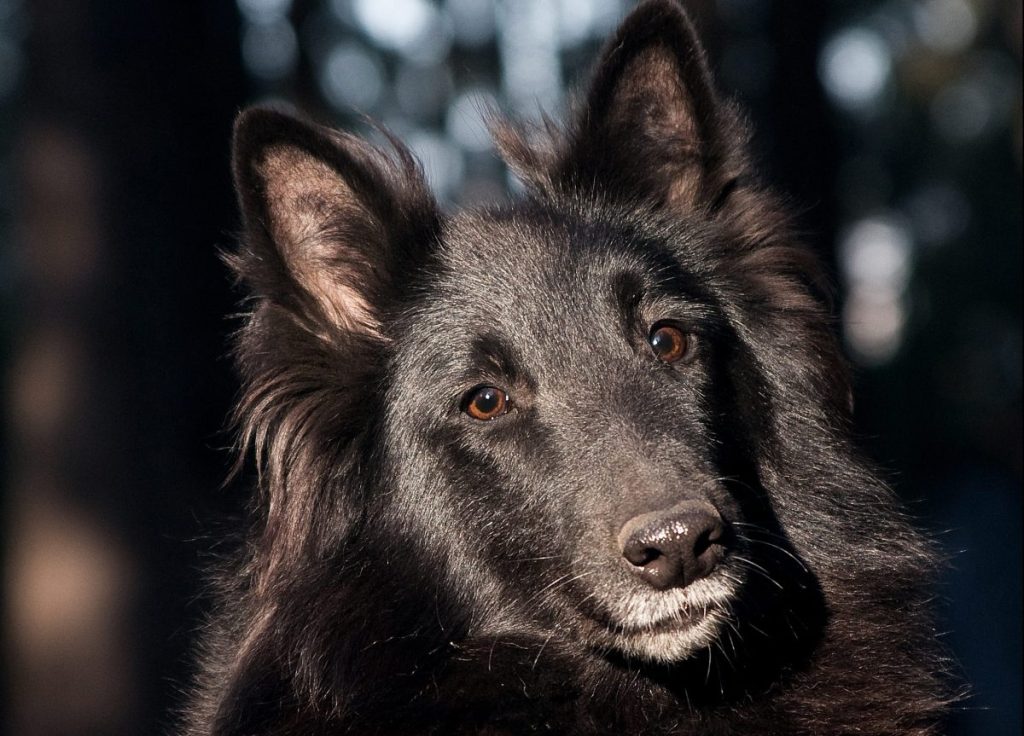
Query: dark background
{"x": 894, "y": 125}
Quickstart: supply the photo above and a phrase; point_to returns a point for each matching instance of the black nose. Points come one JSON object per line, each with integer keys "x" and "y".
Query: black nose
{"x": 675, "y": 547}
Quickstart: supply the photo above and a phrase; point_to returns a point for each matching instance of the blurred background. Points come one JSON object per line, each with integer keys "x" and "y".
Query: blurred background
{"x": 896, "y": 124}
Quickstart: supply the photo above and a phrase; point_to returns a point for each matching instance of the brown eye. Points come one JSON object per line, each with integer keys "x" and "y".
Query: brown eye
{"x": 670, "y": 344}
{"x": 486, "y": 402}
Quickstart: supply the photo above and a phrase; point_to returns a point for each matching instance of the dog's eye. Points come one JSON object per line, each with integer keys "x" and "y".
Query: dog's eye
{"x": 670, "y": 344}
{"x": 486, "y": 402}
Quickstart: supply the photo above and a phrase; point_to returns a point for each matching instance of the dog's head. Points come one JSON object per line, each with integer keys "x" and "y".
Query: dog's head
{"x": 569, "y": 405}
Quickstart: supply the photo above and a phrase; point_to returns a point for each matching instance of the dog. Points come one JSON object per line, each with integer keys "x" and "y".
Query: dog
{"x": 579, "y": 465}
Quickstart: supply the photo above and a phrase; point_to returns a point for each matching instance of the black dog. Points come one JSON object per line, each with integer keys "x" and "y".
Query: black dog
{"x": 576, "y": 466}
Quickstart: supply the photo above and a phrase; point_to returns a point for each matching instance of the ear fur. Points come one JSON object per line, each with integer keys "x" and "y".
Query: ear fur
{"x": 326, "y": 218}
{"x": 651, "y": 128}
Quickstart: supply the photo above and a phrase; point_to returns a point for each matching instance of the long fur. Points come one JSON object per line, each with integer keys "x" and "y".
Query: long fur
{"x": 410, "y": 572}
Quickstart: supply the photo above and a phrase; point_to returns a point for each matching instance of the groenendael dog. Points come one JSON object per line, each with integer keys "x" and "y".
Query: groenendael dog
{"x": 579, "y": 465}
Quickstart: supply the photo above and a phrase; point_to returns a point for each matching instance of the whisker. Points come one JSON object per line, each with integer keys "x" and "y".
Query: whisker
{"x": 556, "y": 583}
{"x": 784, "y": 551}
{"x": 757, "y": 568}
{"x": 537, "y": 559}
{"x": 541, "y": 650}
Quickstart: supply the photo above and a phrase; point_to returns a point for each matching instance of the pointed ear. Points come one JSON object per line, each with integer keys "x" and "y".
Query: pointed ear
{"x": 651, "y": 128}
{"x": 328, "y": 219}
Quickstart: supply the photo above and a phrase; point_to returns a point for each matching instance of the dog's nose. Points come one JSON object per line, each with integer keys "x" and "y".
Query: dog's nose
{"x": 675, "y": 547}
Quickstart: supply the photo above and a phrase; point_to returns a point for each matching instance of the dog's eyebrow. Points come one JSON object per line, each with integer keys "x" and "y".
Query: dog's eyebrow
{"x": 663, "y": 289}
{"x": 662, "y": 280}
{"x": 495, "y": 355}
{"x": 628, "y": 290}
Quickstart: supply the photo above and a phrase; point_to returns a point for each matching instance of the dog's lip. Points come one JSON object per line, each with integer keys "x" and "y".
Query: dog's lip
{"x": 668, "y": 639}
{"x": 676, "y": 620}
{"x": 679, "y": 621}
{"x": 676, "y": 610}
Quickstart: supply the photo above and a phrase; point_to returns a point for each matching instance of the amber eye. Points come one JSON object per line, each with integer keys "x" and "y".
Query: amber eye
{"x": 486, "y": 402}
{"x": 670, "y": 344}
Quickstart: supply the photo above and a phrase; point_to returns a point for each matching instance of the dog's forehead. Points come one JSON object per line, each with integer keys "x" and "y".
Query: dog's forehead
{"x": 518, "y": 263}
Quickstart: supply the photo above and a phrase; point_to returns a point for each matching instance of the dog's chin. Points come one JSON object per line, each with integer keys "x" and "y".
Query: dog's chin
{"x": 667, "y": 627}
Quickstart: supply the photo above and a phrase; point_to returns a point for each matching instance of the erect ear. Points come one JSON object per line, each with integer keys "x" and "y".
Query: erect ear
{"x": 328, "y": 218}
{"x": 652, "y": 127}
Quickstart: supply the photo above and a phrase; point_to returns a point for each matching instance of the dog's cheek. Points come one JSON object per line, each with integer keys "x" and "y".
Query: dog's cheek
{"x": 519, "y": 512}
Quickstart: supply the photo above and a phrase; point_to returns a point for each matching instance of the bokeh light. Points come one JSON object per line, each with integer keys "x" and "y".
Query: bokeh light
{"x": 423, "y": 91}
{"x": 352, "y": 78}
{"x": 946, "y": 26}
{"x": 466, "y": 119}
{"x": 528, "y": 43}
{"x": 875, "y": 256}
{"x": 442, "y": 161}
{"x": 583, "y": 20}
{"x": 270, "y": 50}
{"x": 855, "y": 68}
{"x": 264, "y": 11}
{"x": 413, "y": 28}
{"x": 473, "y": 21}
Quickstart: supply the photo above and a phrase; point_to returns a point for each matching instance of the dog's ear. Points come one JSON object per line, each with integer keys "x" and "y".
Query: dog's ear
{"x": 651, "y": 127}
{"x": 327, "y": 219}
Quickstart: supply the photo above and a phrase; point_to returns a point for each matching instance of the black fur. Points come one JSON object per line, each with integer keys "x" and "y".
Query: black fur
{"x": 413, "y": 570}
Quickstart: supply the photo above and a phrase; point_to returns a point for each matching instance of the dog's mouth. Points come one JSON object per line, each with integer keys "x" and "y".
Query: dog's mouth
{"x": 665, "y": 626}
{"x": 670, "y": 641}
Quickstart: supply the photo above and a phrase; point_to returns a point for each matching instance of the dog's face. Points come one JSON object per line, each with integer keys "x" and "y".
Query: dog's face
{"x": 554, "y": 415}
{"x": 559, "y": 402}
